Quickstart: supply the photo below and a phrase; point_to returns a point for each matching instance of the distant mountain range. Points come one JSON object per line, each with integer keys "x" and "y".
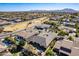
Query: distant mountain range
{"x": 66, "y": 10}
{"x": 63, "y": 10}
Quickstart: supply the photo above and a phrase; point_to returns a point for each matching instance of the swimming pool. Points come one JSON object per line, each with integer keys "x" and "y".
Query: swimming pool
{"x": 7, "y": 42}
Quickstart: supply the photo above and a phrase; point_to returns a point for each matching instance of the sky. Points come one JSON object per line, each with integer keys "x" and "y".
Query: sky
{"x": 37, "y": 6}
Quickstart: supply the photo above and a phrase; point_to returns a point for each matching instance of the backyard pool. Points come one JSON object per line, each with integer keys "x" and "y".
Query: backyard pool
{"x": 7, "y": 42}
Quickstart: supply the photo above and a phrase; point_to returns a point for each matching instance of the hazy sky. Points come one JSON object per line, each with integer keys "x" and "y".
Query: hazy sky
{"x": 37, "y": 6}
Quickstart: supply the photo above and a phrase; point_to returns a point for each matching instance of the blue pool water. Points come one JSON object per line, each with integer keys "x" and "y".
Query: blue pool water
{"x": 8, "y": 43}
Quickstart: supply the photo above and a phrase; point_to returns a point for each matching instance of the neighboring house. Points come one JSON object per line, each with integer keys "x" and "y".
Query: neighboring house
{"x": 68, "y": 24}
{"x": 42, "y": 26}
{"x": 67, "y": 29}
{"x": 63, "y": 47}
{"x": 26, "y": 33}
{"x": 4, "y": 22}
{"x": 75, "y": 49}
{"x": 55, "y": 18}
{"x": 67, "y": 48}
{"x": 15, "y": 20}
{"x": 66, "y": 20}
{"x": 75, "y": 20}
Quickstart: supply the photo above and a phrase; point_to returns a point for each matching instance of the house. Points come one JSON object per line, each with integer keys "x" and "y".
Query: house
{"x": 67, "y": 29}
{"x": 66, "y": 20}
{"x": 4, "y": 22}
{"x": 15, "y": 20}
{"x": 68, "y": 23}
{"x": 75, "y": 49}
{"x": 74, "y": 20}
{"x": 42, "y": 26}
{"x": 32, "y": 35}
{"x": 67, "y": 48}
{"x": 63, "y": 48}
{"x": 43, "y": 39}
{"x": 55, "y": 18}
{"x": 26, "y": 33}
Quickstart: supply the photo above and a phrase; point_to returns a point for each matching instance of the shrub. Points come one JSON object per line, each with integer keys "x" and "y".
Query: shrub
{"x": 63, "y": 33}
{"x": 71, "y": 38}
{"x": 50, "y": 52}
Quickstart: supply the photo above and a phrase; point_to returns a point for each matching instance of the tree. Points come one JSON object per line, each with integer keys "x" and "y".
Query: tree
{"x": 50, "y": 23}
{"x": 50, "y": 52}
{"x": 13, "y": 49}
{"x": 77, "y": 34}
{"x": 22, "y": 43}
{"x": 76, "y": 25}
{"x": 71, "y": 38}
{"x": 6, "y": 38}
{"x": 77, "y": 29}
{"x": 63, "y": 33}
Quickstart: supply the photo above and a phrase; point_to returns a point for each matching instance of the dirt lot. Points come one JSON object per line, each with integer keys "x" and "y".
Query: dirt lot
{"x": 23, "y": 25}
